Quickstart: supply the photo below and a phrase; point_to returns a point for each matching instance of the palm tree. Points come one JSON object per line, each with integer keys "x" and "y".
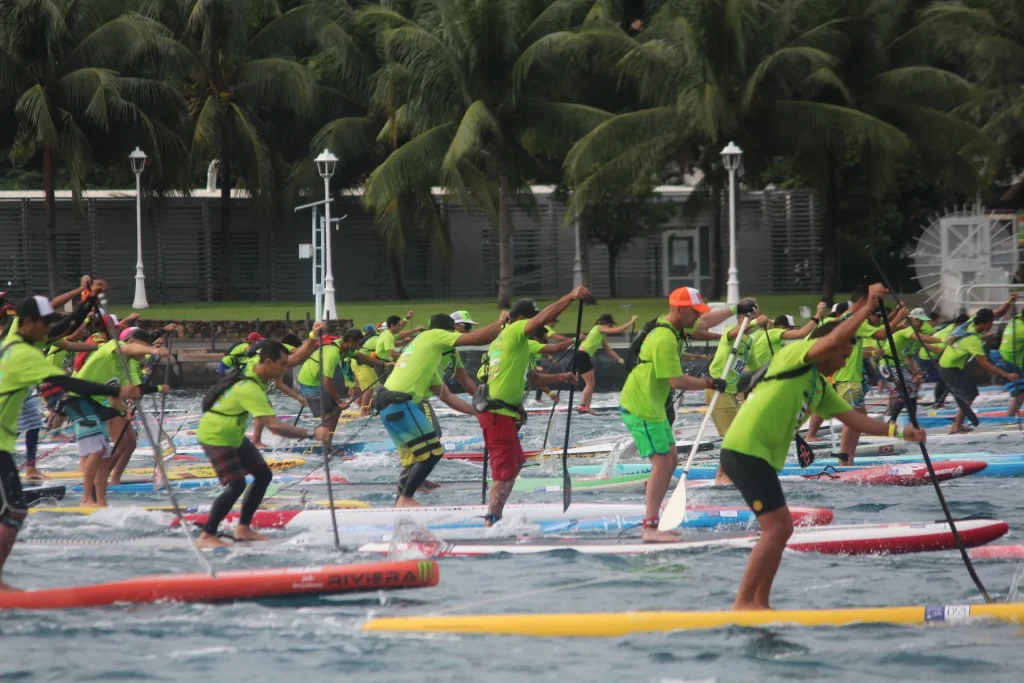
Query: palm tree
{"x": 244, "y": 88}
{"x": 60, "y": 70}
{"x": 456, "y": 114}
{"x": 705, "y": 72}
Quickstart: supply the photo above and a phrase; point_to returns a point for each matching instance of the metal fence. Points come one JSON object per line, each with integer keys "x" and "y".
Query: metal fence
{"x": 778, "y": 249}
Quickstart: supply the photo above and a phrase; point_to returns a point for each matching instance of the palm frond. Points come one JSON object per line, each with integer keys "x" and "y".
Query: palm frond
{"x": 414, "y": 164}
{"x": 615, "y": 137}
{"x": 34, "y": 108}
{"x": 551, "y": 128}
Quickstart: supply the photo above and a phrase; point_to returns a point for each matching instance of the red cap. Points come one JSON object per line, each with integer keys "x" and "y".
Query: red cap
{"x": 254, "y": 337}
{"x": 688, "y": 297}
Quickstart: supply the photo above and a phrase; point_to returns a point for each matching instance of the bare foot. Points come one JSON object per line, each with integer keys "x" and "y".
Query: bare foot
{"x": 655, "y": 536}
{"x": 7, "y": 587}
{"x": 750, "y": 607}
{"x": 114, "y": 481}
{"x": 810, "y": 438}
{"x": 406, "y": 502}
{"x": 244, "y": 532}
{"x": 91, "y": 504}
{"x": 210, "y": 541}
{"x": 260, "y": 445}
{"x": 428, "y": 485}
{"x": 33, "y": 473}
{"x": 722, "y": 480}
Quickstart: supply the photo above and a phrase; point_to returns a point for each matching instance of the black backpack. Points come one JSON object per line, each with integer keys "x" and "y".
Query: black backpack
{"x": 638, "y": 341}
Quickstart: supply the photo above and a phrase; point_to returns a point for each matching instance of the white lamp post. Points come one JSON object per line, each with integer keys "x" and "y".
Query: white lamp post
{"x": 138, "y": 159}
{"x": 731, "y": 158}
{"x": 325, "y": 164}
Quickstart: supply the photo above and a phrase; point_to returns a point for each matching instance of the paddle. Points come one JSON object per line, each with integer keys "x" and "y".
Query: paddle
{"x": 912, "y": 414}
{"x": 566, "y": 482}
{"x": 153, "y": 443}
{"x": 325, "y": 448}
{"x": 297, "y": 416}
{"x": 1013, "y": 333}
{"x": 675, "y": 511}
{"x": 163, "y": 401}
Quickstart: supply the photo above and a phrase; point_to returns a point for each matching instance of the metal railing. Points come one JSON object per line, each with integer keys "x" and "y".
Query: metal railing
{"x": 964, "y": 300}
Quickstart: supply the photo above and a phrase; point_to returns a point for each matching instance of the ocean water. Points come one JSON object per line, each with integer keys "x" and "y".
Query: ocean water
{"x": 319, "y": 639}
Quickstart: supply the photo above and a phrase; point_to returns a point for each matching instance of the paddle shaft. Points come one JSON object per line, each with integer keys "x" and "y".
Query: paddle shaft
{"x": 1013, "y": 333}
{"x": 675, "y": 511}
{"x": 566, "y": 481}
{"x": 326, "y": 446}
{"x": 153, "y": 444}
{"x": 912, "y": 414}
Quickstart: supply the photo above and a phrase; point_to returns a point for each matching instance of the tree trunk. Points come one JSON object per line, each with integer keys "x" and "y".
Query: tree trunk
{"x": 586, "y": 221}
{"x": 49, "y": 183}
{"x": 395, "y": 266}
{"x": 714, "y": 292}
{"x": 829, "y": 220}
{"x": 613, "y": 259}
{"x": 504, "y": 237}
{"x": 225, "y": 227}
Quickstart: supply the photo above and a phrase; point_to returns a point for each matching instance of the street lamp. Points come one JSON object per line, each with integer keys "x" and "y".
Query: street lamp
{"x": 325, "y": 164}
{"x": 731, "y": 158}
{"x": 138, "y": 159}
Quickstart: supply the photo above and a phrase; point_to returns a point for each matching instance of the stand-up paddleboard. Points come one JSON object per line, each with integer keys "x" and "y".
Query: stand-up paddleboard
{"x": 192, "y": 509}
{"x": 854, "y": 539}
{"x": 232, "y": 585}
{"x": 998, "y": 552}
{"x": 182, "y": 472}
{"x": 472, "y": 516}
{"x": 36, "y": 494}
{"x": 612, "y": 624}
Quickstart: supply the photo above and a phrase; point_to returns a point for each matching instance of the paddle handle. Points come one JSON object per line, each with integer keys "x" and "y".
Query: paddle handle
{"x": 325, "y": 447}
{"x": 675, "y": 511}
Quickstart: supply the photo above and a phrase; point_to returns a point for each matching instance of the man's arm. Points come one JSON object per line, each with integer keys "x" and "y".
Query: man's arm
{"x": 451, "y": 400}
{"x": 302, "y": 354}
{"x": 865, "y": 425}
{"x": 846, "y": 329}
{"x": 62, "y": 299}
{"x": 75, "y": 346}
{"x": 705, "y": 335}
{"x": 140, "y": 351}
{"x": 987, "y": 366}
{"x": 715, "y": 316}
{"x": 554, "y": 310}
{"x": 332, "y": 391}
{"x": 281, "y": 428}
{"x": 1006, "y": 307}
{"x": 607, "y": 329}
{"x": 482, "y": 335}
{"x": 555, "y": 348}
{"x": 290, "y": 393}
{"x": 465, "y": 381}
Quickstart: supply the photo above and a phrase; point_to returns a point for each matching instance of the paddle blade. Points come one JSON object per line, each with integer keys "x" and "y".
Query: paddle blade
{"x": 566, "y": 487}
{"x": 675, "y": 511}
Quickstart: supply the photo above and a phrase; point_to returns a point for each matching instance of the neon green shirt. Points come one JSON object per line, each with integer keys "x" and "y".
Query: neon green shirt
{"x": 761, "y": 351}
{"x": 647, "y": 385}
{"x": 417, "y": 369}
{"x": 535, "y": 354}
{"x": 385, "y": 344}
{"x": 906, "y": 345}
{"x": 959, "y": 350}
{"x": 235, "y": 354}
{"x": 309, "y": 373}
{"x": 58, "y": 357}
{"x": 450, "y": 362}
{"x": 103, "y": 367}
{"x": 508, "y": 364}
{"x": 769, "y": 417}
{"x": 593, "y": 342}
{"x": 717, "y": 366}
{"x": 22, "y": 366}
{"x": 369, "y": 346}
{"x": 224, "y": 425}
{"x": 249, "y": 362}
{"x": 855, "y": 363}
{"x": 1011, "y": 346}
{"x": 944, "y": 333}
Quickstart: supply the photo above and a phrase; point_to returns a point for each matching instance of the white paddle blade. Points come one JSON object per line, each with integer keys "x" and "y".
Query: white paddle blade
{"x": 675, "y": 511}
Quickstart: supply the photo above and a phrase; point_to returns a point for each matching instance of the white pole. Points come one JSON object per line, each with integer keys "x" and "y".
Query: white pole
{"x": 316, "y": 283}
{"x": 140, "y": 278}
{"x": 577, "y": 259}
{"x": 733, "y": 284}
{"x": 329, "y": 309}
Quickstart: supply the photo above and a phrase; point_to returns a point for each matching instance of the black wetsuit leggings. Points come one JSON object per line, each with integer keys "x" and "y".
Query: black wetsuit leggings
{"x": 231, "y": 465}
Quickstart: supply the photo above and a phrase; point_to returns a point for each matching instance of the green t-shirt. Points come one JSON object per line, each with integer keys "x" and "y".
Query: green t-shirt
{"x": 369, "y": 346}
{"x": 22, "y": 366}
{"x": 335, "y": 363}
{"x": 450, "y": 362}
{"x": 104, "y": 367}
{"x": 224, "y": 424}
{"x": 508, "y": 365}
{"x": 416, "y": 370}
{"x": 961, "y": 349}
{"x": 1011, "y": 346}
{"x": 385, "y": 344}
{"x": 717, "y": 366}
{"x": 593, "y": 342}
{"x": 944, "y": 333}
{"x": 851, "y": 372}
{"x": 906, "y": 345}
{"x": 250, "y": 362}
{"x": 765, "y": 344}
{"x": 767, "y": 420}
{"x": 647, "y": 385}
{"x": 235, "y": 355}
{"x": 58, "y": 357}
{"x": 535, "y": 354}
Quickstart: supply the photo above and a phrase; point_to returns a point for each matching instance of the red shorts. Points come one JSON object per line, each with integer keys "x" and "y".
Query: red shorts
{"x": 501, "y": 439}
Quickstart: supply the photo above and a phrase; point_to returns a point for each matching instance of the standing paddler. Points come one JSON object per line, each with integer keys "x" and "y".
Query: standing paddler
{"x": 755, "y": 449}
{"x": 226, "y": 410}
{"x": 656, "y": 373}
{"x": 22, "y": 367}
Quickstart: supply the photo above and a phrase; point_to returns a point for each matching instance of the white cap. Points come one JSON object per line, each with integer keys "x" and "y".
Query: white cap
{"x": 790, "y": 321}
{"x": 920, "y": 314}
{"x": 463, "y": 318}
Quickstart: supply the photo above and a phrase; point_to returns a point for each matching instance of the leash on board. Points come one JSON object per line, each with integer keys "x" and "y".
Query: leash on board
{"x": 153, "y": 443}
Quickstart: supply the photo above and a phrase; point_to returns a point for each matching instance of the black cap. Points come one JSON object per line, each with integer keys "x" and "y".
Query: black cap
{"x": 606, "y": 319}
{"x": 524, "y": 308}
{"x": 36, "y": 308}
{"x": 141, "y": 335}
{"x": 442, "y": 321}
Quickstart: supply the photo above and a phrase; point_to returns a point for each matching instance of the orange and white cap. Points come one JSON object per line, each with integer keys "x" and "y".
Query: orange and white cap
{"x": 688, "y": 297}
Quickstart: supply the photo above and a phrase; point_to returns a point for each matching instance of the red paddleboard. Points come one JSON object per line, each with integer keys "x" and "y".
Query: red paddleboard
{"x": 232, "y": 585}
{"x": 998, "y": 552}
{"x": 903, "y": 474}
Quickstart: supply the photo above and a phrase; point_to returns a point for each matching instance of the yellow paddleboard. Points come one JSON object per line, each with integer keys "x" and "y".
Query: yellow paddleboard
{"x": 611, "y": 624}
{"x": 180, "y": 472}
{"x": 338, "y": 504}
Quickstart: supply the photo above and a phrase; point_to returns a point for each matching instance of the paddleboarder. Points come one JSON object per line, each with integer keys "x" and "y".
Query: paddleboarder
{"x": 755, "y": 449}
{"x": 657, "y": 372}
{"x": 594, "y": 342}
{"x": 22, "y": 367}
{"x": 228, "y": 405}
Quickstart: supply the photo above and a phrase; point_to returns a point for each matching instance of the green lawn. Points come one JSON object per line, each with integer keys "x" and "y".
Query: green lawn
{"x": 482, "y": 310}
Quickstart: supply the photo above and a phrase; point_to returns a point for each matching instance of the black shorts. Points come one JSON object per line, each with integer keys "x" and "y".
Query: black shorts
{"x": 583, "y": 362}
{"x": 232, "y": 463}
{"x": 12, "y": 506}
{"x": 756, "y": 480}
{"x": 960, "y": 384}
